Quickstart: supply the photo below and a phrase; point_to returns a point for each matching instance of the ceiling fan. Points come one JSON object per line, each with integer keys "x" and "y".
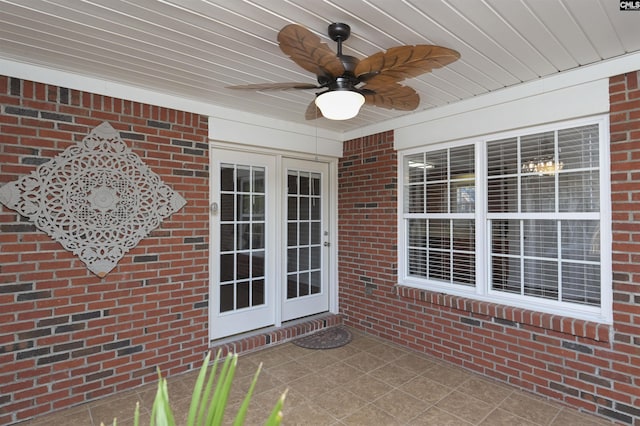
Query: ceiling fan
{"x": 349, "y": 82}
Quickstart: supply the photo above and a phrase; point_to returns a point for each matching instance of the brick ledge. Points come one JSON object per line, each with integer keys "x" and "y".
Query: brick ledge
{"x": 508, "y": 315}
{"x": 261, "y": 339}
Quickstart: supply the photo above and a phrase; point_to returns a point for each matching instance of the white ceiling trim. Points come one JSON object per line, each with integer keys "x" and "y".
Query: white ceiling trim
{"x": 576, "y": 77}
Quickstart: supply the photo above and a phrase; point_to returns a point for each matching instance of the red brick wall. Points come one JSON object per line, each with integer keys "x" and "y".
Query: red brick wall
{"x": 624, "y": 98}
{"x": 67, "y": 336}
{"x": 589, "y": 366}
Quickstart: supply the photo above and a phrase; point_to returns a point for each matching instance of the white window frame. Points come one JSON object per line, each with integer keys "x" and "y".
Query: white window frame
{"x": 482, "y": 291}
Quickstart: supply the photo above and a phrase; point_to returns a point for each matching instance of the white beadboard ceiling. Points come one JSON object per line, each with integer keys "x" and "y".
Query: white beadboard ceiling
{"x": 194, "y": 49}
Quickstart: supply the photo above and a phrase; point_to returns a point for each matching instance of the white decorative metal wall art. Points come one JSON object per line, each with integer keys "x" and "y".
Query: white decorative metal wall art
{"x": 97, "y": 198}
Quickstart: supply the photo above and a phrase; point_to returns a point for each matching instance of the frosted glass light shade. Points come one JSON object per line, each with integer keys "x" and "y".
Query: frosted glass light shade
{"x": 340, "y": 104}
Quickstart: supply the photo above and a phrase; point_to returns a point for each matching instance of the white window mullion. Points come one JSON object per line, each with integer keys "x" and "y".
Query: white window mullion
{"x": 483, "y": 225}
{"x": 451, "y": 247}
{"x": 556, "y": 176}
{"x": 519, "y": 178}
{"x": 522, "y": 275}
{"x": 560, "y": 262}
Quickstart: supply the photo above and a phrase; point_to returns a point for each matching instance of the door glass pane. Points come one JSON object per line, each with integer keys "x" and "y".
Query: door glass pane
{"x": 243, "y": 295}
{"x": 242, "y": 227}
{"x": 257, "y": 236}
{"x": 258, "y": 180}
{"x": 242, "y": 266}
{"x": 257, "y": 292}
{"x": 243, "y": 178}
{"x": 243, "y": 236}
{"x": 315, "y": 209}
{"x": 227, "y": 207}
{"x": 226, "y": 177}
{"x": 292, "y": 207}
{"x": 316, "y": 233}
{"x": 303, "y": 286}
{"x": 226, "y": 267}
{"x": 292, "y": 234}
{"x": 226, "y": 237}
{"x": 304, "y": 183}
{"x": 304, "y": 208}
{"x": 257, "y": 212}
{"x": 243, "y": 206}
{"x": 303, "y": 259}
{"x": 292, "y": 259}
{"x": 304, "y": 233}
{"x": 315, "y": 257}
{"x": 292, "y": 286}
{"x": 227, "y": 300}
{"x": 316, "y": 284}
{"x": 257, "y": 264}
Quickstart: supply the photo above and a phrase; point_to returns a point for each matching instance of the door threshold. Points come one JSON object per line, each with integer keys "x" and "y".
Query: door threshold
{"x": 271, "y": 336}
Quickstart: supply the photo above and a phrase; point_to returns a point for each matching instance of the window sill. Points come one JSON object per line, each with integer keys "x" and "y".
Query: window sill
{"x": 507, "y": 315}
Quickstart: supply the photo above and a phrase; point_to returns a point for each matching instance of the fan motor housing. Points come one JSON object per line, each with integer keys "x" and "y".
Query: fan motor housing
{"x": 349, "y": 63}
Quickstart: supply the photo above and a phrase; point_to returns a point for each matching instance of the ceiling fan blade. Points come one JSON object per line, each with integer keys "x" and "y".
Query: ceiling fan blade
{"x": 307, "y": 50}
{"x": 274, "y": 86}
{"x": 393, "y": 96}
{"x": 313, "y": 111}
{"x": 399, "y": 63}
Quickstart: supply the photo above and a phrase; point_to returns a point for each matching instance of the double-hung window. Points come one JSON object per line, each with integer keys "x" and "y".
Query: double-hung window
{"x": 521, "y": 219}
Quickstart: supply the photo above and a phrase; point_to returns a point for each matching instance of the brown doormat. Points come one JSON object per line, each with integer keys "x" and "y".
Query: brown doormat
{"x": 330, "y": 338}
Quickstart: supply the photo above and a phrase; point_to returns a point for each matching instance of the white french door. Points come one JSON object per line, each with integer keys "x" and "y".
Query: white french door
{"x": 269, "y": 241}
{"x": 243, "y": 237}
{"x": 306, "y": 288}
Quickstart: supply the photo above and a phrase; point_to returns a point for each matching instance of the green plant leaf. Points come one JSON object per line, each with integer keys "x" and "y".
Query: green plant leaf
{"x": 213, "y": 404}
{"x": 197, "y": 391}
{"x": 276, "y": 414}
{"x": 204, "y": 403}
{"x": 221, "y": 397}
{"x": 161, "y": 414}
{"x": 242, "y": 412}
{"x": 156, "y": 402}
{"x": 207, "y": 402}
{"x": 136, "y": 415}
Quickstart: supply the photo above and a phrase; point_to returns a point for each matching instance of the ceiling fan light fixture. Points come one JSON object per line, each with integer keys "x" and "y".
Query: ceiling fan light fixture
{"x": 340, "y": 104}
{"x": 345, "y": 78}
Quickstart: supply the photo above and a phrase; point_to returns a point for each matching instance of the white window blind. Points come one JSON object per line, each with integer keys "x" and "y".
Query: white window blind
{"x": 440, "y": 204}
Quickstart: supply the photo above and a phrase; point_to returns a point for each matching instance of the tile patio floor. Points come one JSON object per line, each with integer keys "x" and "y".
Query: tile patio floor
{"x": 367, "y": 382}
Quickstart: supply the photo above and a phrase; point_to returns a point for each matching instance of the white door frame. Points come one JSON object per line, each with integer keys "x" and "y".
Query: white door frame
{"x": 332, "y": 250}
